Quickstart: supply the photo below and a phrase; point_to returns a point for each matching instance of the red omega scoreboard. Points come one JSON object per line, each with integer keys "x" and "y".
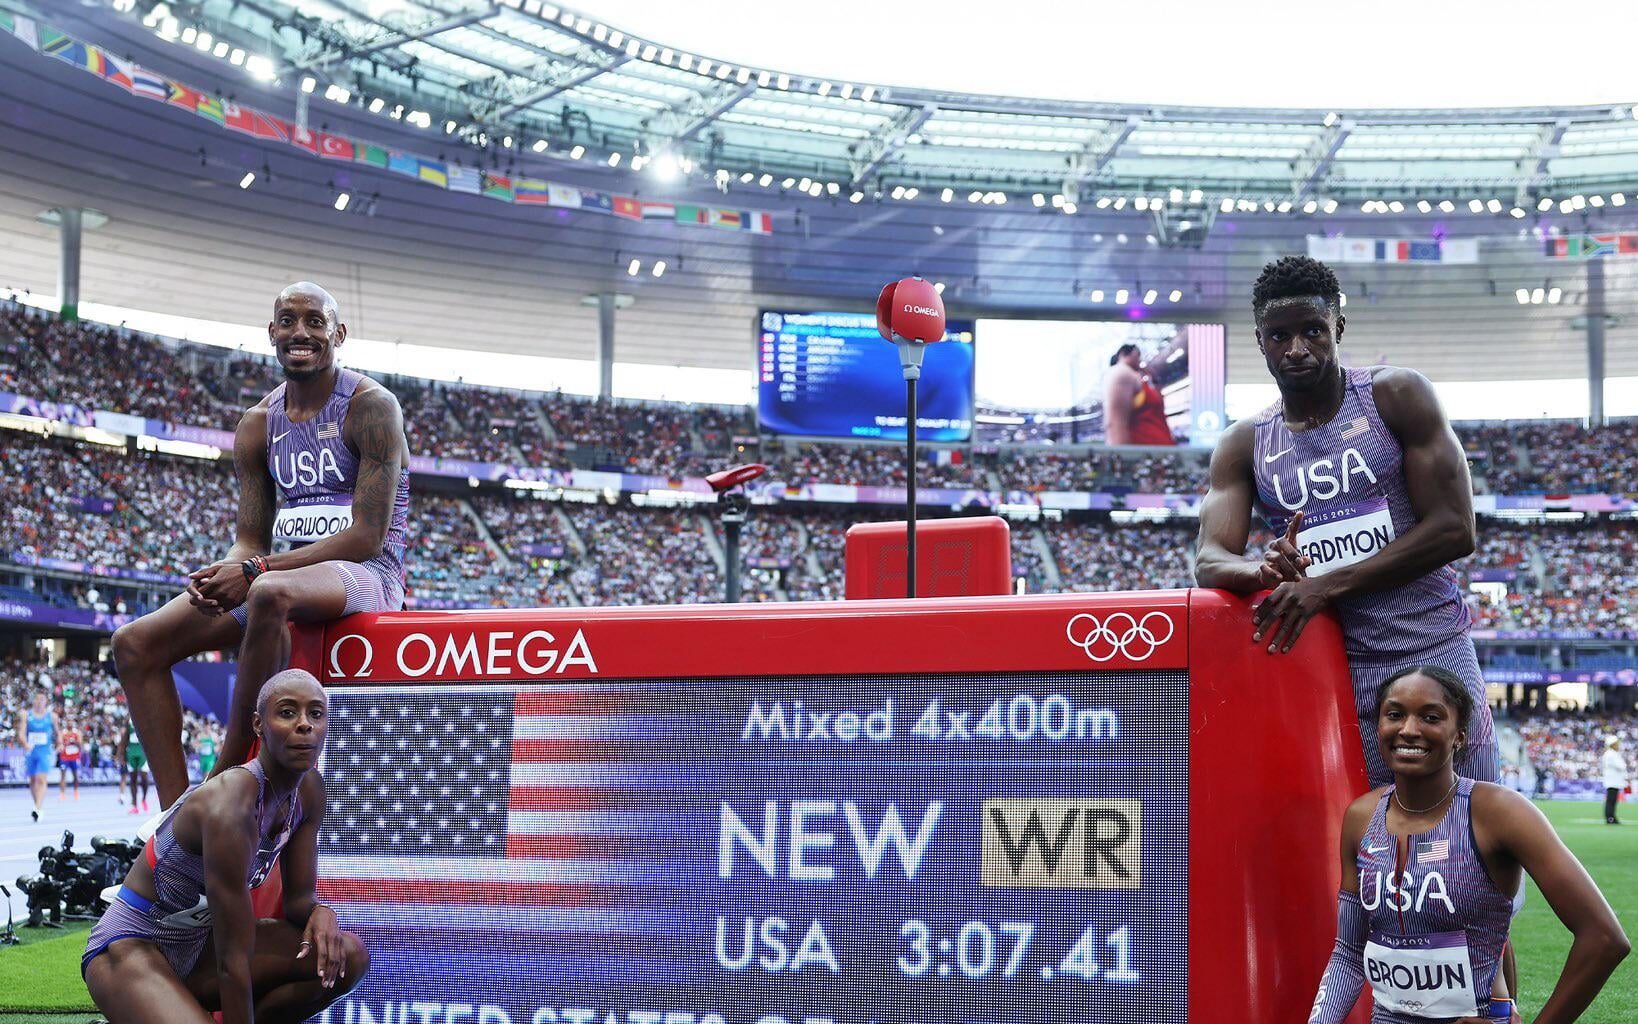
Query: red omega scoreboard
{"x": 1077, "y": 808}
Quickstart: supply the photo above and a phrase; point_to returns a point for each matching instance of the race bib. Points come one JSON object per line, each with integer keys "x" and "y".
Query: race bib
{"x": 71, "y": 750}
{"x": 1421, "y": 975}
{"x": 39, "y": 739}
{"x": 303, "y": 524}
{"x": 1341, "y": 537}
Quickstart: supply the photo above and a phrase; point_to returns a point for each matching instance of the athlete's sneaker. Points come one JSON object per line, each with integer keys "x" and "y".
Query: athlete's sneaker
{"x": 134, "y": 809}
{"x": 36, "y": 813}
{"x": 144, "y": 807}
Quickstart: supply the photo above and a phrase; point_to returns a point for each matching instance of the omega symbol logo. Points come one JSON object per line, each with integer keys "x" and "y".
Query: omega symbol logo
{"x": 1119, "y": 634}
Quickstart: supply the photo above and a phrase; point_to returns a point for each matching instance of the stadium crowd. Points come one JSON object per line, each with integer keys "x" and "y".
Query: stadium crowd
{"x": 1567, "y": 746}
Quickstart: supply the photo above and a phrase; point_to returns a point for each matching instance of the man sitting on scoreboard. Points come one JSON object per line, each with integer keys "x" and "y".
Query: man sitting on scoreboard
{"x": 322, "y": 463}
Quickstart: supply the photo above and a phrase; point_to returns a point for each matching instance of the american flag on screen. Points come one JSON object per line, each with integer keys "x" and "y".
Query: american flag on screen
{"x": 502, "y": 810}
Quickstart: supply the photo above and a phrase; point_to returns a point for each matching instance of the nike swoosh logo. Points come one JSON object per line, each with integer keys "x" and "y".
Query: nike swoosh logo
{"x": 280, "y": 437}
{"x": 1276, "y": 455}
{"x": 1375, "y": 849}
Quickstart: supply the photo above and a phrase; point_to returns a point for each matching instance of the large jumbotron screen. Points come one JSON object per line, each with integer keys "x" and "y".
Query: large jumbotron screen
{"x": 832, "y": 375}
{"x": 1062, "y": 372}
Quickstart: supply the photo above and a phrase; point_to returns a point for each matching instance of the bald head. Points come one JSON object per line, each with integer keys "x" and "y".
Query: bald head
{"x": 312, "y": 292}
{"x": 294, "y": 682}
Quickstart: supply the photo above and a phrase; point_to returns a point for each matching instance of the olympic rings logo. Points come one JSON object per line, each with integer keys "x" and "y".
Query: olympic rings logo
{"x": 1120, "y": 634}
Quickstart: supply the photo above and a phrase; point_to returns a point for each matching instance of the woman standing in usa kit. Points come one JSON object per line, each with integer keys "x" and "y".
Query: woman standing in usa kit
{"x": 1429, "y": 864}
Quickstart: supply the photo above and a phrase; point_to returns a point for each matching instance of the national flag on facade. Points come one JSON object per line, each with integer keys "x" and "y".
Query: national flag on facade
{"x": 179, "y": 95}
{"x": 563, "y": 195}
{"x": 25, "y": 29}
{"x": 149, "y": 84}
{"x": 626, "y": 206}
{"x": 465, "y": 179}
{"x": 239, "y": 119}
{"x": 660, "y": 211}
{"x": 725, "y": 219}
{"x": 435, "y": 172}
{"x": 596, "y": 201}
{"x": 210, "y": 108}
{"x": 269, "y": 127}
{"x": 691, "y": 214}
{"x": 497, "y": 186}
{"x": 1437, "y": 850}
{"x": 530, "y": 192}
{"x": 406, "y": 164}
{"x": 336, "y": 147}
{"x": 1627, "y": 245}
{"x": 304, "y": 138}
{"x": 948, "y": 457}
{"x": 760, "y": 223}
{"x": 375, "y": 156}
{"x": 117, "y": 71}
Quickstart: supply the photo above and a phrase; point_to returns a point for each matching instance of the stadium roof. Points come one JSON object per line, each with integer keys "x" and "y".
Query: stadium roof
{"x": 510, "y": 74}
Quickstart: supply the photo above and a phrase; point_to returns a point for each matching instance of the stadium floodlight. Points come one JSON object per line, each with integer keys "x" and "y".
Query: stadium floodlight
{"x": 705, "y": 65}
{"x": 1120, "y": 202}
{"x": 507, "y": 142}
{"x": 248, "y": 180}
{"x": 834, "y": 187}
{"x": 1310, "y": 206}
{"x": 237, "y": 57}
{"x": 816, "y": 189}
{"x": 1396, "y": 206}
{"x": 617, "y": 39}
{"x": 744, "y": 76}
{"x": 1475, "y": 206}
{"x": 868, "y": 94}
{"x": 685, "y": 62}
{"x": 802, "y": 186}
{"x": 189, "y": 34}
{"x": 1121, "y": 238}
{"x": 1097, "y": 295}
{"x": 1285, "y": 206}
{"x": 898, "y": 191}
{"x": 1177, "y": 294}
{"x": 909, "y": 193}
{"x": 1517, "y": 213}
{"x": 938, "y": 286}
{"x": 1330, "y": 206}
{"x": 762, "y": 79}
{"x": 847, "y": 90}
{"x": 634, "y": 47}
{"x": 1578, "y": 202}
{"x": 855, "y": 197}
{"x": 259, "y": 67}
{"x": 765, "y": 180}
{"x": 1545, "y": 204}
{"x": 1423, "y": 206}
{"x": 309, "y": 83}
{"x": 220, "y": 51}
{"x": 974, "y": 197}
{"x": 1141, "y": 203}
{"x": 1227, "y": 205}
{"x": 666, "y": 168}
{"x": 1038, "y": 199}
{"x": 1149, "y": 297}
{"x": 1493, "y": 205}
{"x": 1538, "y": 296}
{"x": 947, "y": 195}
{"x": 337, "y": 94}
{"x": 649, "y": 52}
{"x": 824, "y": 88}
{"x": 1151, "y": 239}
{"x": 1070, "y": 208}
{"x": 577, "y": 152}
{"x": 1618, "y": 199}
{"x": 659, "y": 268}
{"x": 784, "y": 82}
{"x": 376, "y": 105}
{"x": 1330, "y": 119}
{"x": 1120, "y": 296}
{"x": 1176, "y": 195}
{"x": 1368, "y": 206}
{"x": 203, "y": 41}
{"x": 1184, "y": 225}
{"x": 634, "y": 267}
{"x": 1596, "y": 202}
{"x": 600, "y": 32}
{"x": 724, "y": 70}
{"x": 1197, "y": 196}
{"x": 665, "y": 57}
{"x": 1565, "y": 206}
{"x": 1103, "y": 202}
{"x": 787, "y": 183}
{"x": 342, "y": 200}
{"x": 1554, "y": 295}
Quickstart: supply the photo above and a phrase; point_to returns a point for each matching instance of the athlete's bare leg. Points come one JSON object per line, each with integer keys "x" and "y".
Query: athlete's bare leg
{"x": 37, "y": 786}
{"x": 286, "y": 989}
{"x": 132, "y": 983}
{"x": 144, "y": 652}
{"x": 313, "y": 593}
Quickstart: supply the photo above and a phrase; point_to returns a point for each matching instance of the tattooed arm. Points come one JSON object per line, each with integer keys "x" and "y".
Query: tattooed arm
{"x": 375, "y": 430}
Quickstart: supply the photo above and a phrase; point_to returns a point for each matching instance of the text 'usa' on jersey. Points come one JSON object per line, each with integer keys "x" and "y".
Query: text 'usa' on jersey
{"x": 1347, "y": 478}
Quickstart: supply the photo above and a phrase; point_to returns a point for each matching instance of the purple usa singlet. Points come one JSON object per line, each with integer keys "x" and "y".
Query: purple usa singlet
{"x": 1437, "y": 922}
{"x": 316, "y": 474}
{"x": 1348, "y": 479}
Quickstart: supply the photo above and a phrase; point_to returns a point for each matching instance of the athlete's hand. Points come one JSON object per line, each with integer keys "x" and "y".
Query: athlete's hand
{"x": 1283, "y": 561}
{"x": 218, "y": 587}
{"x": 322, "y": 938}
{"x": 1283, "y": 614}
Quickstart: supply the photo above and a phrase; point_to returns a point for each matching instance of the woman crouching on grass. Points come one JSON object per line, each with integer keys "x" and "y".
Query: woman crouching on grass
{"x": 1429, "y": 866}
{"x": 146, "y": 961}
